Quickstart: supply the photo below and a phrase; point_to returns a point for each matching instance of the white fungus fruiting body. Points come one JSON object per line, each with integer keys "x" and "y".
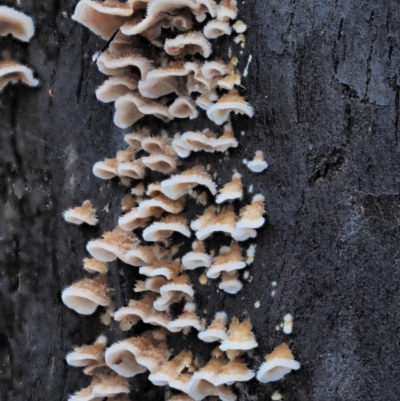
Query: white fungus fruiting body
{"x": 13, "y": 72}
{"x": 258, "y": 164}
{"x": 16, "y": 23}
{"x": 278, "y": 363}
{"x": 82, "y": 214}
{"x": 288, "y": 323}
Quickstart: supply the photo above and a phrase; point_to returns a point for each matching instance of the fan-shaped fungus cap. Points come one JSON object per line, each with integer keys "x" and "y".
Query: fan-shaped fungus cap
{"x": 179, "y": 185}
{"x": 162, "y": 163}
{"x": 106, "y": 169}
{"x": 181, "y": 148}
{"x": 86, "y": 354}
{"x": 239, "y": 26}
{"x": 154, "y": 284}
{"x": 82, "y": 214}
{"x": 116, "y": 86}
{"x": 173, "y": 292}
{"x": 227, "y": 10}
{"x": 157, "y": 144}
{"x": 226, "y": 140}
{"x": 133, "y": 169}
{"x": 142, "y": 309}
{"x": 252, "y": 215}
{"x": 229, "y": 259}
{"x": 231, "y": 190}
{"x": 143, "y": 255}
{"x": 230, "y": 81}
{"x": 13, "y": 72}
{"x": 214, "y": 69}
{"x": 188, "y": 43}
{"x": 258, "y": 164}
{"x": 134, "y": 139}
{"x": 186, "y": 320}
{"x": 168, "y": 269}
{"x": 16, "y": 23}
{"x": 86, "y": 295}
{"x": 95, "y": 266}
{"x": 216, "y": 331}
{"x": 110, "y": 385}
{"x": 162, "y": 81}
{"x": 230, "y": 282}
{"x": 113, "y": 64}
{"x": 165, "y": 228}
{"x": 197, "y": 258}
{"x": 234, "y": 371}
{"x": 240, "y": 336}
{"x": 210, "y": 222}
{"x": 159, "y": 204}
{"x": 171, "y": 369}
{"x": 278, "y": 363}
{"x": 154, "y": 189}
{"x": 102, "y": 18}
{"x": 132, "y": 220}
{"x": 136, "y": 355}
{"x": 132, "y": 107}
{"x": 230, "y": 102}
{"x": 183, "y": 107}
{"x": 113, "y": 244}
{"x": 216, "y": 28}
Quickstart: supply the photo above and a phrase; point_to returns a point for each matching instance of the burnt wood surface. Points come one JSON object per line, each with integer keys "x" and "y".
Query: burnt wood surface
{"x": 324, "y": 83}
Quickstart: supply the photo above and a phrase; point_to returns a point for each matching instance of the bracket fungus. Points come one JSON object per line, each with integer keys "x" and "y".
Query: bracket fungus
{"x": 183, "y": 107}
{"x": 173, "y": 292}
{"x": 95, "y": 266}
{"x": 103, "y": 18}
{"x": 166, "y": 227}
{"x": 159, "y": 204}
{"x": 216, "y": 28}
{"x": 114, "y": 64}
{"x": 211, "y": 221}
{"x": 82, "y": 214}
{"x": 164, "y": 164}
{"x": 87, "y": 354}
{"x": 16, "y": 23}
{"x": 258, "y": 164}
{"x": 216, "y": 331}
{"x": 197, "y": 258}
{"x": 278, "y": 363}
{"x": 230, "y": 282}
{"x": 230, "y": 102}
{"x": 116, "y": 86}
{"x": 229, "y": 259}
{"x": 141, "y": 309}
{"x": 179, "y": 185}
{"x": 143, "y": 255}
{"x": 168, "y": 269}
{"x": 251, "y": 216}
{"x": 132, "y": 220}
{"x": 132, "y": 107}
{"x": 240, "y": 336}
{"x": 231, "y": 190}
{"x": 227, "y": 10}
{"x": 86, "y": 295}
{"x": 186, "y": 320}
{"x": 188, "y": 43}
{"x": 113, "y": 244}
{"x": 13, "y": 72}
{"x": 172, "y": 369}
{"x": 136, "y": 355}
{"x": 106, "y": 169}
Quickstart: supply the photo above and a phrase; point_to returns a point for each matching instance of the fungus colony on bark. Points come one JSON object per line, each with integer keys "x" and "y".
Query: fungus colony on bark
{"x": 21, "y": 27}
{"x": 140, "y": 86}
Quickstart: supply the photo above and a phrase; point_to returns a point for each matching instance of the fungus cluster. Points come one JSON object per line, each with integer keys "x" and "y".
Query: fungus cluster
{"x": 154, "y": 221}
{"x": 21, "y": 27}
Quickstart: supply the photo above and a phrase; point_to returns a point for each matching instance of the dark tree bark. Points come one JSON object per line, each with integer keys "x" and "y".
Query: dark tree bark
{"x": 324, "y": 83}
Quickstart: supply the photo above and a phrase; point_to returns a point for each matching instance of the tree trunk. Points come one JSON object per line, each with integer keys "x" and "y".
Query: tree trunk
{"x": 323, "y": 81}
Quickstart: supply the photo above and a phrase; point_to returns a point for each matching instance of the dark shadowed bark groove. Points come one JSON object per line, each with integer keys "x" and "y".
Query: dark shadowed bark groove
{"x": 324, "y": 82}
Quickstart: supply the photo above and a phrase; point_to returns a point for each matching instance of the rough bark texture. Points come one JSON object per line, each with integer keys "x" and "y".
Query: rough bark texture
{"x": 324, "y": 82}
